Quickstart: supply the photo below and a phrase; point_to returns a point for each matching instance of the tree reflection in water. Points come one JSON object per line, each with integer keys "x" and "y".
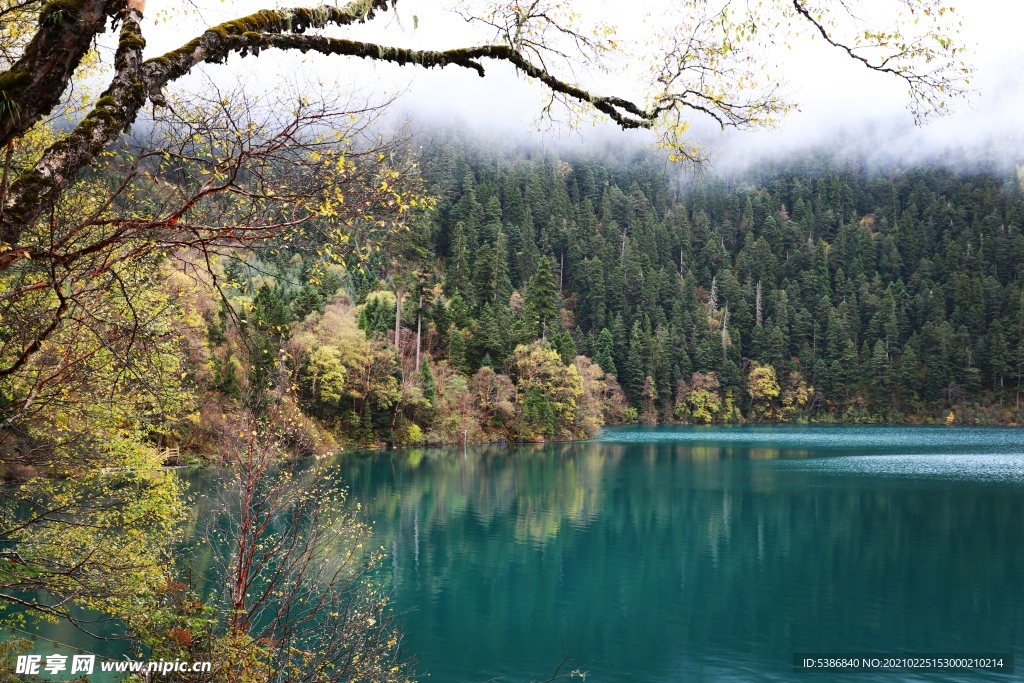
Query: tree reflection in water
{"x": 654, "y": 559}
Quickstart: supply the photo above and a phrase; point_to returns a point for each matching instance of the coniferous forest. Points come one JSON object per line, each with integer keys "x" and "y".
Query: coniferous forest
{"x": 546, "y": 294}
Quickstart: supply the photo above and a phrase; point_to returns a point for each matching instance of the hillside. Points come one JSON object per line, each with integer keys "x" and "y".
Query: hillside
{"x": 544, "y": 295}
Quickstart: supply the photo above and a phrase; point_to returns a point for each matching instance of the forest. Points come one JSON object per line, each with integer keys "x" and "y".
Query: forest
{"x": 200, "y": 264}
{"x": 536, "y": 295}
{"x": 813, "y": 290}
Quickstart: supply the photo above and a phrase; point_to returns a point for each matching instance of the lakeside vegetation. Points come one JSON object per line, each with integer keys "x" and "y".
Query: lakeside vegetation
{"x": 536, "y": 297}
{"x": 815, "y": 291}
{"x": 240, "y": 276}
{"x": 811, "y": 290}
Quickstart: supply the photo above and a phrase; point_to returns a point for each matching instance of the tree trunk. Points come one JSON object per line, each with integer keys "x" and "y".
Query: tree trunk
{"x": 398, "y": 318}
{"x": 6, "y": 177}
{"x": 757, "y": 305}
{"x": 34, "y": 84}
{"x": 419, "y": 327}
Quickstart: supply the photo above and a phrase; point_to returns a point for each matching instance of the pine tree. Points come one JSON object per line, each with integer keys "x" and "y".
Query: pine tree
{"x": 427, "y": 384}
{"x": 225, "y": 378}
{"x": 514, "y": 209}
{"x": 620, "y": 333}
{"x": 306, "y": 302}
{"x": 564, "y": 344}
{"x": 811, "y": 294}
{"x": 491, "y": 334}
{"x": 543, "y": 303}
{"x": 457, "y": 274}
{"x": 267, "y": 329}
{"x": 502, "y": 283}
{"x": 442, "y": 318}
{"x": 592, "y": 304}
{"x": 603, "y": 350}
{"x": 492, "y": 222}
{"x": 457, "y": 350}
{"x": 649, "y": 395}
{"x": 634, "y": 375}
{"x": 485, "y": 276}
{"x": 998, "y": 354}
{"x": 270, "y": 315}
{"x": 908, "y": 381}
{"x": 880, "y": 378}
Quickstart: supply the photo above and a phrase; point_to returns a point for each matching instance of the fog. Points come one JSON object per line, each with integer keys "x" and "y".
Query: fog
{"x": 843, "y": 107}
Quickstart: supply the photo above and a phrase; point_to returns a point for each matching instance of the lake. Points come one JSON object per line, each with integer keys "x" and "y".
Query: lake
{"x": 697, "y": 554}
{"x": 703, "y": 554}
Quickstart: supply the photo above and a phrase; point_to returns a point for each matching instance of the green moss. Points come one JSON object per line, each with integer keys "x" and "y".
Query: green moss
{"x": 59, "y": 12}
{"x": 32, "y": 184}
{"x": 10, "y": 83}
{"x": 107, "y": 117}
{"x": 130, "y": 41}
{"x": 259, "y": 25}
{"x": 294, "y": 21}
{"x": 105, "y": 110}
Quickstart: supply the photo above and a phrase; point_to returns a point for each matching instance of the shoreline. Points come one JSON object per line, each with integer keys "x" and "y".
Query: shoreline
{"x": 714, "y": 425}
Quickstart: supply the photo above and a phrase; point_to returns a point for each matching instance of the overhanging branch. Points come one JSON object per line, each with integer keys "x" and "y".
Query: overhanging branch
{"x": 34, "y": 84}
{"x": 133, "y": 82}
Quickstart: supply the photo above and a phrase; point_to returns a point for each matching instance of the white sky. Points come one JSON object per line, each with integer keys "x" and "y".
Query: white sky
{"x": 837, "y": 98}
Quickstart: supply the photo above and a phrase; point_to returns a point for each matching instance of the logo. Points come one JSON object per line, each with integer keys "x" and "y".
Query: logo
{"x": 31, "y": 665}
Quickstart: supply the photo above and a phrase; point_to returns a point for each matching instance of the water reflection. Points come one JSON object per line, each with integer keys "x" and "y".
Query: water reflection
{"x": 671, "y": 555}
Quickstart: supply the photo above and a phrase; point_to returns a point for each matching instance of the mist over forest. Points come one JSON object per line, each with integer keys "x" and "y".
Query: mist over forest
{"x": 869, "y": 283}
{"x": 812, "y": 286}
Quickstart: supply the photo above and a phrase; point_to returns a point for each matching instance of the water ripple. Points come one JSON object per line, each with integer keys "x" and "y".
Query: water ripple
{"x": 1008, "y": 467}
{"x": 828, "y": 437}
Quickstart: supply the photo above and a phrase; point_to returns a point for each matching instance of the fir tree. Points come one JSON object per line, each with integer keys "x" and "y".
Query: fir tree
{"x": 634, "y": 375}
{"x": 603, "y": 350}
{"x": 427, "y": 384}
{"x": 565, "y": 346}
{"x": 457, "y": 349}
{"x": 543, "y": 303}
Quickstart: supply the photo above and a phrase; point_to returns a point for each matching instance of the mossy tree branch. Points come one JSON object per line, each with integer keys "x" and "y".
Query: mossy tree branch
{"x": 703, "y": 61}
{"x": 34, "y": 84}
{"x": 134, "y": 81}
{"x": 116, "y": 109}
{"x": 623, "y": 112}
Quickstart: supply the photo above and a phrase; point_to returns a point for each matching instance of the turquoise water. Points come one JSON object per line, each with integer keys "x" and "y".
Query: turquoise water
{"x": 700, "y": 554}
{"x": 693, "y": 554}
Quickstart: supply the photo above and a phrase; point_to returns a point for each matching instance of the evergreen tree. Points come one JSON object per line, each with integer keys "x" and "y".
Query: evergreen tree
{"x": 564, "y": 344}
{"x": 543, "y": 303}
{"x": 427, "y": 383}
{"x": 442, "y": 318}
{"x": 603, "y": 351}
{"x": 880, "y": 373}
{"x": 485, "y": 276}
{"x": 457, "y": 350}
{"x": 620, "y": 334}
{"x": 490, "y": 335}
{"x": 592, "y": 300}
{"x": 908, "y": 380}
{"x": 876, "y": 290}
{"x": 225, "y": 377}
{"x": 634, "y": 375}
{"x": 457, "y": 274}
{"x": 308, "y": 301}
